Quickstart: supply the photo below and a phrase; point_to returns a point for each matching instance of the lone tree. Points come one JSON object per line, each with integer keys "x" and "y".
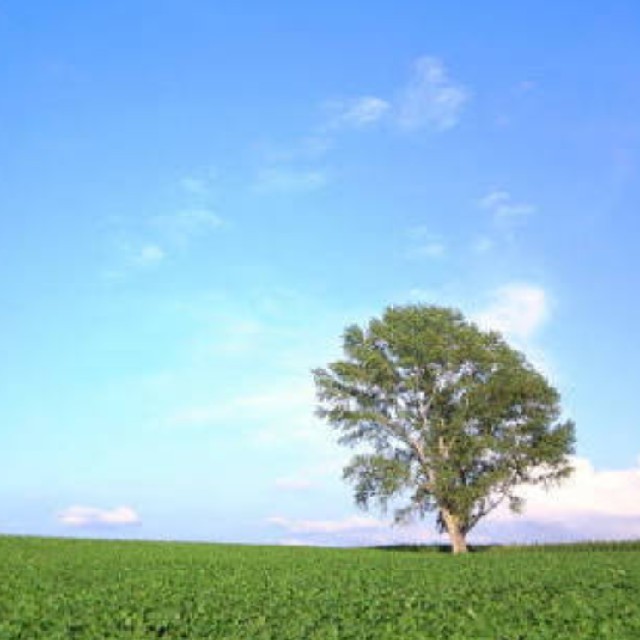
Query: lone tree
{"x": 453, "y": 418}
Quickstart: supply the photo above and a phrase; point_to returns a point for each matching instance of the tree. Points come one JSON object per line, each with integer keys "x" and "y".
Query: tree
{"x": 453, "y": 418}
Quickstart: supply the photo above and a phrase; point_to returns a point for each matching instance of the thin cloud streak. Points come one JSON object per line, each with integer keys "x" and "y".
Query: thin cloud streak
{"x": 87, "y": 517}
{"x": 503, "y": 207}
{"x": 357, "y": 112}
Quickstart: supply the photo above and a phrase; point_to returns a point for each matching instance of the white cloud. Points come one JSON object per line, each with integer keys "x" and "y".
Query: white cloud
{"x": 504, "y": 208}
{"x": 430, "y": 99}
{"x": 79, "y": 516}
{"x": 517, "y": 310}
{"x": 288, "y": 180}
{"x": 589, "y": 492}
{"x": 358, "y": 112}
{"x": 592, "y": 504}
{"x": 149, "y": 255}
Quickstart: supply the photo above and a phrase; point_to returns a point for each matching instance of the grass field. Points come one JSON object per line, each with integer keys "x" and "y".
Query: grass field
{"x": 97, "y": 589}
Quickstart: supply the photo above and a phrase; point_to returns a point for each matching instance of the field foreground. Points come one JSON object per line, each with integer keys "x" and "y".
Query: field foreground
{"x": 97, "y": 589}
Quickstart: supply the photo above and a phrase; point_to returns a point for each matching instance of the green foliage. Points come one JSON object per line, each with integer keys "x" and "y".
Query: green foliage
{"x": 452, "y": 418}
{"x": 65, "y": 589}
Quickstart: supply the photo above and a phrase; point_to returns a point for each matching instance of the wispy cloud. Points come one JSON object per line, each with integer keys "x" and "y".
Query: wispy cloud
{"x": 506, "y": 215}
{"x": 504, "y": 207}
{"x": 146, "y": 242}
{"x": 87, "y": 517}
{"x": 518, "y": 310}
{"x": 197, "y": 217}
{"x": 289, "y": 180}
{"x": 431, "y": 99}
{"x": 357, "y": 112}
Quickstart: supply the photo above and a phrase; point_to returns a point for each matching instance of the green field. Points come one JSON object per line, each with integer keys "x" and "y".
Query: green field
{"x": 97, "y": 589}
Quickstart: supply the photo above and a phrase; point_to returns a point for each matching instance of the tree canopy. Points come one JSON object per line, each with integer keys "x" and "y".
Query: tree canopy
{"x": 452, "y": 418}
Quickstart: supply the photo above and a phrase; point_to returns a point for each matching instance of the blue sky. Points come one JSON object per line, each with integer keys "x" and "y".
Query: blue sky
{"x": 197, "y": 197}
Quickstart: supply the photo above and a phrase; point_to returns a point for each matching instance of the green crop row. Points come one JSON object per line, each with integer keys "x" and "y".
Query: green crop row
{"x": 97, "y": 589}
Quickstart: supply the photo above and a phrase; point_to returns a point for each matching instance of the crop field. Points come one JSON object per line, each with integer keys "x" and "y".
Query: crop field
{"x": 98, "y": 589}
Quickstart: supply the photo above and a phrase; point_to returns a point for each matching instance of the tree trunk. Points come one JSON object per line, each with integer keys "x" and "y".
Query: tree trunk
{"x": 457, "y": 535}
